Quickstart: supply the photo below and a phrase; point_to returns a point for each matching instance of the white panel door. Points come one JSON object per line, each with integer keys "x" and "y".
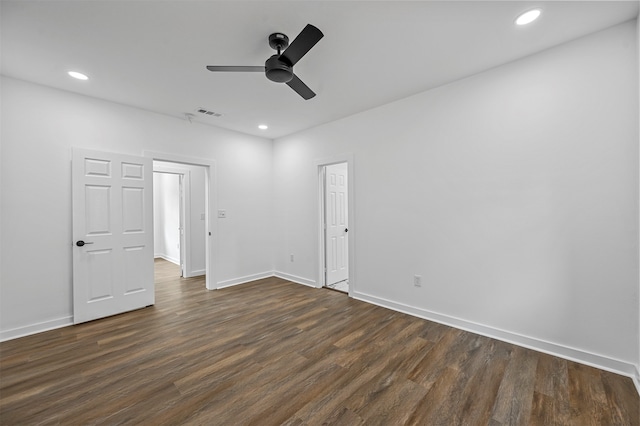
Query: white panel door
{"x": 112, "y": 234}
{"x": 336, "y": 220}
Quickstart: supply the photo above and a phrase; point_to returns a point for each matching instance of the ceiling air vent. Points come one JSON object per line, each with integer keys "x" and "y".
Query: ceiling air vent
{"x": 209, "y": 113}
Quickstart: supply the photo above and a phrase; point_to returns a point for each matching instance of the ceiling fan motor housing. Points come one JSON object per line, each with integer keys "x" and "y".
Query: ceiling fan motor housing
{"x": 278, "y": 70}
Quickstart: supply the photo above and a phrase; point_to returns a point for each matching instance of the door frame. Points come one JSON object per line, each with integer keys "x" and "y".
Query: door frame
{"x": 211, "y": 205}
{"x": 319, "y": 166}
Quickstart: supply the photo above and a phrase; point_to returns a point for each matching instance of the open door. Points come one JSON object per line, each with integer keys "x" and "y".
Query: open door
{"x": 336, "y": 220}
{"x": 112, "y": 234}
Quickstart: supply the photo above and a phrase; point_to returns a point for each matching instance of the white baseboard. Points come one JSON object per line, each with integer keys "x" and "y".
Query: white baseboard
{"x": 249, "y": 278}
{"x": 67, "y": 321}
{"x": 168, "y": 258}
{"x": 245, "y": 279}
{"x": 572, "y": 354}
{"x": 295, "y": 279}
{"x": 16, "y": 333}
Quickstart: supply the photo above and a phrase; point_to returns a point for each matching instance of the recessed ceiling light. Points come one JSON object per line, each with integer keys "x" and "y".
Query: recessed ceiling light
{"x": 263, "y": 127}
{"x": 78, "y": 75}
{"x": 528, "y": 17}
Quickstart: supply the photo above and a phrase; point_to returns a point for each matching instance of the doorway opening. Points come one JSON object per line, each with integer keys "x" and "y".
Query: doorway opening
{"x": 194, "y": 232}
{"x": 179, "y": 216}
{"x": 335, "y": 206}
{"x": 169, "y": 236}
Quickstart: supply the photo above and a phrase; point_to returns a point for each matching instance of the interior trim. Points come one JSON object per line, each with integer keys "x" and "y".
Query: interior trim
{"x": 295, "y": 279}
{"x": 572, "y": 354}
{"x": 243, "y": 280}
{"x": 28, "y": 330}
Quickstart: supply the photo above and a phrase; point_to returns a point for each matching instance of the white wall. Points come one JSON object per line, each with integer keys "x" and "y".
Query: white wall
{"x": 40, "y": 125}
{"x": 166, "y": 216}
{"x": 637, "y": 378}
{"x": 514, "y": 193}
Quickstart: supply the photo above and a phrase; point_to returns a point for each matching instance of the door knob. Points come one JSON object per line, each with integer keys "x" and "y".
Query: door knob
{"x": 80, "y": 243}
{"x": 346, "y": 229}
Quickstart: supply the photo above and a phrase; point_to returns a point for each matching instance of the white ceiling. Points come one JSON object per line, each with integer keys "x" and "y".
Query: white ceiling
{"x": 152, "y": 54}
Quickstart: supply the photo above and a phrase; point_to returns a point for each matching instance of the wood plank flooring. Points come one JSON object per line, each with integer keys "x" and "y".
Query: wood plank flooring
{"x": 273, "y": 352}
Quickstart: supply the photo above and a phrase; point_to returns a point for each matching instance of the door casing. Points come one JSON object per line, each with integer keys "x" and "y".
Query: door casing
{"x": 211, "y": 226}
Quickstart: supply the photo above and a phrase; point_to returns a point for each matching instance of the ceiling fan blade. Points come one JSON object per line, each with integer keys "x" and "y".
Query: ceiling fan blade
{"x": 301, "y": 89}
{"x": 236, "y": 68}
{"x": 299, "y": 47}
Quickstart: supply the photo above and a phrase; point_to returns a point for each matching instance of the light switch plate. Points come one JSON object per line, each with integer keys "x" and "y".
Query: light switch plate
{"x": 222, "y": 214}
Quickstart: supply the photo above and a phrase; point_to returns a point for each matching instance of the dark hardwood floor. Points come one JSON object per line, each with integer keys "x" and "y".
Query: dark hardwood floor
{"x": 273, "y": 352}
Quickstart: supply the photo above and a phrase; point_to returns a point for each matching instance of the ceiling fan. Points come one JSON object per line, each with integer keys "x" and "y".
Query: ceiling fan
{"x": 279, "y": 67}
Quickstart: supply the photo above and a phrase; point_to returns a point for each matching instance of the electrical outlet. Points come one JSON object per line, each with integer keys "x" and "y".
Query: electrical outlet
{"x": 291, "y": 257}
{"x": 417, "y": 280}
